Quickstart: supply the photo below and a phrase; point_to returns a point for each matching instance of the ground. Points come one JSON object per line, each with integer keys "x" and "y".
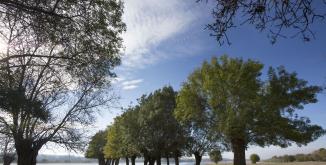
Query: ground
{"x": 294, "y": 163}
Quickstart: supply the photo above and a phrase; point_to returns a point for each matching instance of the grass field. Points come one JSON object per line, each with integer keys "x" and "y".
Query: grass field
{"x": 294, "y": 163}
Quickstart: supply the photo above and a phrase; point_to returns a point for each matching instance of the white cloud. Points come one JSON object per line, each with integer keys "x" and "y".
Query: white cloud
{"x": 129, "y": 87}
{"x": 129, "y": 84}
{"x": 149, "y": 23}
{"x": 132, "y": 82}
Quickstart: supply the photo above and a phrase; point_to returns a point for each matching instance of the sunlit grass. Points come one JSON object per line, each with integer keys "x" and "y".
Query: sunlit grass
{"x": 269, "y": 163}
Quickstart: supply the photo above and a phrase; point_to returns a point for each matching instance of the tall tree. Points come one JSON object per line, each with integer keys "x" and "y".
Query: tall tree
{"x": 194, "y": 115}
{"x": 129, "y": 128}
{"x": 96, "y": 147}
{"x": 287, "y": 18}
{"x": 55, "y": 73}
{"x": 159, "y": 127}
{"x": 122, "y": 137}
{"x": 249, "y": 111}
{"x": 113, "y": 147}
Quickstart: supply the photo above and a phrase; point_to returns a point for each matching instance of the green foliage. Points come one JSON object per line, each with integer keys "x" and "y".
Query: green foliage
{"x": 193, "y": 113}
{"x": 318, "y": 155}
{"x": 122, "y": 136}
{"x": 149, "y": 128}
{"x": 57, "y": 69}
{"x": 215, "y": 156}
{"x": 254, "y": 158}
{"x": 161, "y": 133}
{"x": 229, "y": 94}
{"x": 96, "y": 145}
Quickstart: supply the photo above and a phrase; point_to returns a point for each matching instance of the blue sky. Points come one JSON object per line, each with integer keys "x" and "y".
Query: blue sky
{"x": 165, "y": 42}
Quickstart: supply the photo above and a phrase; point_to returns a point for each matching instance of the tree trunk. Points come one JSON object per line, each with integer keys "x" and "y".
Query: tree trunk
{"x": 198, "y": 158}
{"x": 101, "y": 161}
{"x": 133, "y": 160}
{"x": 239, "y": 150}
{"x": 167, "y": 161}
{"x": 158, "y": 161}
{"x": 127, "y": 161}
{"x": 27, "y": 158}
{"x": 116, "y": 162}
{"x": 145, "y": 160}
{"x": 151, "y": 161}
{"x": 176, "y": 160}
{"x": 108, "y": 162}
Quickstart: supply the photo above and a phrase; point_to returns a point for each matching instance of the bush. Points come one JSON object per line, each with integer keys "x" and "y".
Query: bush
{"x": 215, "y": 156}
{"x": 254, "y": 158}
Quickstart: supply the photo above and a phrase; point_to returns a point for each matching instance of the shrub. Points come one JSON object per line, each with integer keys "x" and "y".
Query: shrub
{"x": 215, "y": 156}
{"x": 254, "y": 158}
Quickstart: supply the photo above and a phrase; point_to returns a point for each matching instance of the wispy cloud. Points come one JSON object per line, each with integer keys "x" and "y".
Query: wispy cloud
{"x": 129, "y": 87}
{"x": 127, "y": 84}
{"x": 132, "y": 82}
{"x": 149, "y": 23}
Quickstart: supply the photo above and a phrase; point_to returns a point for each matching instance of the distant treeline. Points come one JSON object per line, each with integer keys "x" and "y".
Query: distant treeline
{"x": 318, "y": 155}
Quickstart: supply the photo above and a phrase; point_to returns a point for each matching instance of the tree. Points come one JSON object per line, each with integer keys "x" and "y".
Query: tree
{"x": 254, "y": 158}
{"x": 124, "y": 135}
{"x": 319, "y": 155}
{"x": 278, "y": 18}
{"x": 54, "y": 76}
{"x": 194, "y": 116}
{"x": 7, "y": 150}
{"x": 148, "y": 129}
{"x": 113, "y": 147}
{"x": 129, "y": 127}
{"x": 247, "y": 110}
{"x": 96, "y": 147}
{"x": 215, "y": 156}
{"x": 161, "y": 134}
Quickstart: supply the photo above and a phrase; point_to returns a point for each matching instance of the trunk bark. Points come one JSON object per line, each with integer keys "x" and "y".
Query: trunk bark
{"x": 127, "y": 161}
{"x": 108, "y": 162}
{"x": 133, "y": 160}
{"x": 145, "y": 160}
{"x": 116, "y": 162}
{"x": 167, "y": 161}
{"x": 158, "y": 161}
{"x": 151, "y": 161}
{"x": 27, "y": 158}
{"x": 101, "y": 161}
{"x": 27, "y": 150}
{"x": 176, "y": 160}
{"x": 239, "y": 150}
{"x": 198, "y": 158}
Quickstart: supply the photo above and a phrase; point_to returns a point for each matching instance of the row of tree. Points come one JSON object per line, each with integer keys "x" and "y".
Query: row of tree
{"x": 224, "y": 105}
{"x": 318, "y": 155}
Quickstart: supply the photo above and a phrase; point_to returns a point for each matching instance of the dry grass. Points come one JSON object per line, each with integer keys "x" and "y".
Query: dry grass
{"x": 294, "y": 163}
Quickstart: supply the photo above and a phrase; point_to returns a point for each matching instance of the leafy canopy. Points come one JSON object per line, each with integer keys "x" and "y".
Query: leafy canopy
{"x": 96, "y": 145}
{"x": 244, "y": 107}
